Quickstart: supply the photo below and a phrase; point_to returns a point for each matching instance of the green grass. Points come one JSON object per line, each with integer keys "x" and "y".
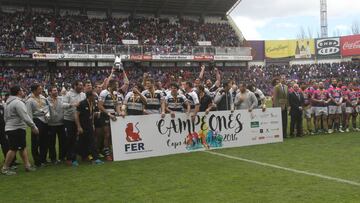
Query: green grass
{"x": 203, "y": 177}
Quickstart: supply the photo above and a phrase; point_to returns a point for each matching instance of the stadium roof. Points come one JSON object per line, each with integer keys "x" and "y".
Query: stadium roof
{"x": 174, "y": 7}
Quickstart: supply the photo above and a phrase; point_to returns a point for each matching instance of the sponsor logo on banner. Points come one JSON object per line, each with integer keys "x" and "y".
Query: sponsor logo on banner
{"x": 254, "y": 124}
{"x": 303, "y": 48}
{"x": 136, "y": 57}
{"x": 45, "y": 39}
{"x": 204, "y": 58}
{"x": 233, "y": 58}
{"x": 130, "y": 42}
{"x": 133, "y": 137}
{"x": 11, "y": 55}
{"x": 328, "y": 47}
{"x": 172, "y": 57}
{"x": 350, "y": 45}
{"x": 136, "y": 137}
{"x": 265, "y": 115}
{"x": 204, "y": 43}
{"x": 46, "y": 56}
{"x": 105, "y": 56}
{"x": 140, "y": 57}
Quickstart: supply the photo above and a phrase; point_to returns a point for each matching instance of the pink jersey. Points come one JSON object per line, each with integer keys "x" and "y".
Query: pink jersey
{"x": 307, "y": 96}
{"x": 320, "y": 95}
{"x": 291, "y": 90}
{"x": 352, "y": 96}
{"x": 334, "y": 93}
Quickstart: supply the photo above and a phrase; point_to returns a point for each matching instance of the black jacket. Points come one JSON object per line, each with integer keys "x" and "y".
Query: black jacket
{"x": 295, "y": 102}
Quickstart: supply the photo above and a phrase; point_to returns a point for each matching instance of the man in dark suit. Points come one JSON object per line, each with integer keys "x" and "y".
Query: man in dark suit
{"x": 280, "y": 99}
{"x": 296, "y": 102}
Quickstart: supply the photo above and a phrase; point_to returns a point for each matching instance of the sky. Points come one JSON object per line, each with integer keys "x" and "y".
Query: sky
{"x": 283, "y": 19}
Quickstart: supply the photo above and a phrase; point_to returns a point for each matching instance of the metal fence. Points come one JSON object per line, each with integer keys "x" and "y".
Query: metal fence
{"x": 151, "y": 50}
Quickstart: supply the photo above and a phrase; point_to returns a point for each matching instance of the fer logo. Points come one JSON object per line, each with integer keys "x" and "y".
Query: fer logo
{"x": 132, "y": 136}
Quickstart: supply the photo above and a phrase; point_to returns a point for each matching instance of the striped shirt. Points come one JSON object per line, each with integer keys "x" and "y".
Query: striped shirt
{"x": 193, "y": 99}
{"x": 111, "y": 101}
{"x": 134, "y": 104}
{"x": 153, "y": 101}
{"x": 175, "y": 103}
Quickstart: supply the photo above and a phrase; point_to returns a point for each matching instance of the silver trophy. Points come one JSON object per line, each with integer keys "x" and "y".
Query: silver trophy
{"x": 118, "y": 65}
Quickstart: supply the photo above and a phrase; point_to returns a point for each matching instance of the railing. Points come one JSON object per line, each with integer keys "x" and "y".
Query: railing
{"x": 151, "y": 50}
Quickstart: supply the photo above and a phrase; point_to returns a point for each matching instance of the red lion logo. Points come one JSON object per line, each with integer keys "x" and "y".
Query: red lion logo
{"x": 131, "y": 135}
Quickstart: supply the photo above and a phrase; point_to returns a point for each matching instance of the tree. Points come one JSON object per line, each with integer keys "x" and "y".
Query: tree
{"x": 355, "y": 28}
{"x": 301, "y": 34}
{"x": 310, "y": 32}
{"x": 337, "y": 33}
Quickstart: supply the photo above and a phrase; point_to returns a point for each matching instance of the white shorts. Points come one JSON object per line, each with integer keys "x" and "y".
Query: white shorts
{"x": 343, "y": 107}
{"x": 335, "y": 110}
{"x": 308, "y": 111}
{"x": 350, "y": 110}
{"x": 358, "y": 108}
{"x": 322, "y": 110}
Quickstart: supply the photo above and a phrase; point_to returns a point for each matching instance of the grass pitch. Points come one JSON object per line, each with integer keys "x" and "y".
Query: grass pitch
{"x": 204, "y": 177}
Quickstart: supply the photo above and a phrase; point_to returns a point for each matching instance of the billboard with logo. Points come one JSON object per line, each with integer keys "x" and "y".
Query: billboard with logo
{"x": 299, "y": 49}
{"x": 136, "y": 137}
{"x": 350, "y": 45}
{"x": 257, "y": 49}
{"x": 327, "y": 47}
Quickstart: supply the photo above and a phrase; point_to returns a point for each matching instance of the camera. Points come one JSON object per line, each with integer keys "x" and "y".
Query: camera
{"x": 118, "y": 65}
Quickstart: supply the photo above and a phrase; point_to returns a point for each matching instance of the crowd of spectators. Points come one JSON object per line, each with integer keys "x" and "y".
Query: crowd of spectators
{"x": 260, "y": 76}
{"x": 18, "y": 31}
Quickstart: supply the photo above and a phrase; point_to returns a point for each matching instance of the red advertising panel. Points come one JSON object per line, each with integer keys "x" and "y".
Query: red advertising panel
{"x": 350, "y": 45}
{"x": 204, "y": 58}
{"x": 140, "y": 57}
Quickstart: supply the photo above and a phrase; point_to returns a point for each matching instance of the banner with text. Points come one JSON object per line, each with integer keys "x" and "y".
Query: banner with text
{"x": 136, "y": 137}
{"x": 299, "y": 49}
{"x": 327, "y": 47}
{"x": 350, "y": 45}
